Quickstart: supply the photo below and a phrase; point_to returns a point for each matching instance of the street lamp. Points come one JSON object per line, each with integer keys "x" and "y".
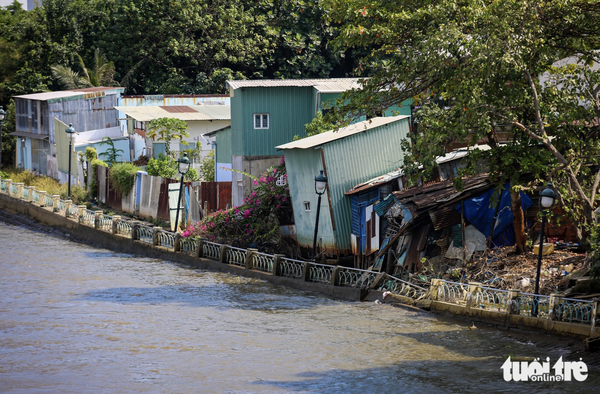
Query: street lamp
{"x": 70, "y": 131}
{"x": 2, "y": 117}
{"x": 184, "y": 167}
{"x": 320, "y": 185}
{"x": 547, "y": 198}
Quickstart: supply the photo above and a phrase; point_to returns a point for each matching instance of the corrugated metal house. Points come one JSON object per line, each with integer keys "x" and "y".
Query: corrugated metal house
{"x": 267, "y": 113}
{"x": 352, "y": 155}
{"x": 87, "y": 109}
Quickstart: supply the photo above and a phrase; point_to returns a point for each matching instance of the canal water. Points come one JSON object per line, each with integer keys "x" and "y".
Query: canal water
{"x": 78, "y": 319}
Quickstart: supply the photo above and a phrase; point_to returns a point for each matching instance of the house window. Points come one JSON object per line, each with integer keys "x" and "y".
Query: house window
{"x": 261, "y": 121}
{"x": 307, "y": 206}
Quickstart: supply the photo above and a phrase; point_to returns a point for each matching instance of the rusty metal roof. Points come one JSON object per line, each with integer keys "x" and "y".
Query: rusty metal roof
{"x": 425, "y": 197}
{"x": 322, "y": 85}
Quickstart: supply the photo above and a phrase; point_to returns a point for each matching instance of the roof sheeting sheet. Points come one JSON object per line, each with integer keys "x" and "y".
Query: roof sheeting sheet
{"x": 192, "y": 112}
{"x": 329, "y": 136}
{"x": 62, "y": 94}
{"x": 321, "y": 85}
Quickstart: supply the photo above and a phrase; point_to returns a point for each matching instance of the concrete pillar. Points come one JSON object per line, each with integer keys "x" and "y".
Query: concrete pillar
{"x": 306, "y": 271}
{"x": 473, "y": 289}
{"x": 334, "y": 275}
{"x": 434, "y": 289}
{"x": 19, "y": 189}
{"x": 82, "y": 209}
{"x": 276, "y": 263}
{"x": 68, "y": 204}
{"x": 116, "y": 220}
{"x": 553, "y": 308}
{"x": 512, "y": 307}
{"x": 55, "y": 198}
{"x": 155, "y": 232}
{"x": 177, "y": 243}
{"x": 98, "y": 215}
{"x": 200, "y": 248}
{"x": 223, "y": 254}
{"x": 593, "y": 332}
{"x": 30, "y": 196}
{"x": 8, "y": 183}
{"x": 42, "y": 194}
{"x": 249, "y": 260}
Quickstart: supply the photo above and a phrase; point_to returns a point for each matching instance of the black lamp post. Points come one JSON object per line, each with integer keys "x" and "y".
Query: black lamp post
{"x": 70, "y": 131}
{"x": 547, "y": 198}
{"x": 320, "y": 185}
{"x": 184, "y": 167}
{"x": 2, "y": 117}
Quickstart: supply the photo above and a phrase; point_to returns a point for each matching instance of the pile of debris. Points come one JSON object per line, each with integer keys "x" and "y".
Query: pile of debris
{"x": 503, "y": 268}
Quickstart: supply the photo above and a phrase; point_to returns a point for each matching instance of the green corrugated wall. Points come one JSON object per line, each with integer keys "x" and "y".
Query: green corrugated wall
{"x": 289, "y": 110}
{"x": 224, "y": 146}
{"x": 349, "y": 161}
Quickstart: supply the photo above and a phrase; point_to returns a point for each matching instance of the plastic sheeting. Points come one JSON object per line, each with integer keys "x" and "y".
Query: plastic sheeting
{"x": 480, "y": 213}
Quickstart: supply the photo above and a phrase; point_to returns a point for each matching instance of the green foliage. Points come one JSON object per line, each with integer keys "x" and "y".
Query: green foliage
{"x": 90, "y": 154}
{"x": 255, "y": 221}
{"x": 486, "y": 73}
{"x": 9, "y": 142}
{"x": 192, "y": 175}
{"x": 317, "y": 126}
{"x": 122, "y": 178}
{"x": 111, "y": 154}
{"x": 215, "y": 84}
{"x": 166, "y": 129}
{"x": 164, "y": 166}
{"x": 207, "y": 167}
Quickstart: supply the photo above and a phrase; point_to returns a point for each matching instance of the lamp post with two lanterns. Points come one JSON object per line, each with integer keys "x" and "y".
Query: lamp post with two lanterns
{"x": 2, "y": 117}
{"x": 70, "y": 131}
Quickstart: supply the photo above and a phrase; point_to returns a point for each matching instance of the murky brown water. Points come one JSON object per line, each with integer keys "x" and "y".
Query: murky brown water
{"x": 78, "y": 319}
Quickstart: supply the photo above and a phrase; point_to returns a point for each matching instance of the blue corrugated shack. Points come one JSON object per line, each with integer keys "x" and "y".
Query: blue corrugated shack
{"x": 352, "y": 155}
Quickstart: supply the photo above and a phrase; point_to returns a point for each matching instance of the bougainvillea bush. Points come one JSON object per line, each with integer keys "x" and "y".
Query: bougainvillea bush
{"x": 254, "y": 222}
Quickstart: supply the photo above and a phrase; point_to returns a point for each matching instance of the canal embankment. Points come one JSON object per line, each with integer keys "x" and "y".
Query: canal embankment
{"x": 469, "y": 301}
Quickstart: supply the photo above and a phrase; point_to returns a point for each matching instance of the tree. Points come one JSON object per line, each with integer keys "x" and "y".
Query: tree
{"x": 101, "y": 74}
{"x": 476, "y": 68}
{"x": 207, "y": 167}
{"x": 111, "y": 154}
{"x": 166, "y": 129}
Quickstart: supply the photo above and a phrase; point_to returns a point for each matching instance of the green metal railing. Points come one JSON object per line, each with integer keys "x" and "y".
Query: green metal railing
{"x": 188, "y": 245}
{"x": 453, "y": 292}
{"x": 353, "y": 277}
{"x": 89, "y": 217}
{"x": 211, "y": 250}
{"x": 236, "y": 256}
{"x": 263, "y": 262}
{"x": 105, "y": 223}
{"x": 490, "y": 298}
{"x": 401, "y": 287}
{"x": 145, "y": 234}
{"x": 575, "y": 311}
{"x": 292, "y": 268}
{"x": 166, "y": 239}
{"x": 124, "y": 227}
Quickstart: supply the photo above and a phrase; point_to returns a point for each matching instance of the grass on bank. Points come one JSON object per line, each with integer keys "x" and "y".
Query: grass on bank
{"x": 44, "y": 183}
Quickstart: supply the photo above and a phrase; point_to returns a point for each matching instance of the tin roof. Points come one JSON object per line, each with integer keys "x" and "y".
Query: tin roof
{"x": 46, "y": 96}
{"x": 322, "y": 85}
{"x": 344, "y": 132}
{"x": 186, "y": 112}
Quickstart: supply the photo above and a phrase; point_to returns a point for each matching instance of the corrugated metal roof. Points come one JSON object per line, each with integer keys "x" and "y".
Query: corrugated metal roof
{"x": 322, "y": 85}
{"x": 65, "y": 93}
{"x": 329, "y": 136}
{"x": 196, "y": 112}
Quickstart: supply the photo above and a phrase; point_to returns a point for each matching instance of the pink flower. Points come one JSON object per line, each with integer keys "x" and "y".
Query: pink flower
{"x": 277, "y": 206}
{"x": 246, "y": 213}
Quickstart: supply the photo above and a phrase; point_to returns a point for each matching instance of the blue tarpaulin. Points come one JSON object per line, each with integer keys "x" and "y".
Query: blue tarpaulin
{"x": 481, "y": 215}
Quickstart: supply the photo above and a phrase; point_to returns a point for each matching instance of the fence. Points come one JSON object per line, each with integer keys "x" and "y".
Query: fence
{"x": 473, "y": 296}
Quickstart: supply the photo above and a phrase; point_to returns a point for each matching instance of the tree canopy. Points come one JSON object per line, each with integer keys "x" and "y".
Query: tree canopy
{"x": 517, "y": 75}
